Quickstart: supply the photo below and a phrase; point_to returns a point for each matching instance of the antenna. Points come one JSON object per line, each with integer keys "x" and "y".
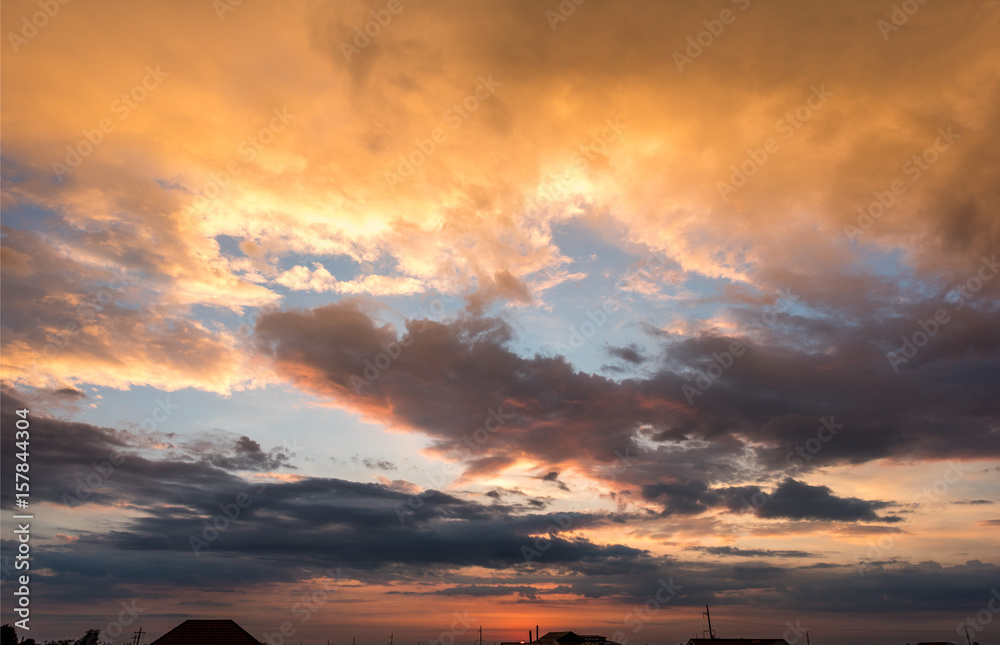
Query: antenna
{"x": 711, "y": 632}
{"x": 967, "y": 633}
{"x": 137, "y": 640}
{"x": 807, "y": 638}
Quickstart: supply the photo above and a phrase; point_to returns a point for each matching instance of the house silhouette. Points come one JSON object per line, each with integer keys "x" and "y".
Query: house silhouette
{"x": 207, "y": 632}
{"x": 566, "y": 638}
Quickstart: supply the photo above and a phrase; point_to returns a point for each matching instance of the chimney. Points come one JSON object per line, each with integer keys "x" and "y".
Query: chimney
{"x": 529, "y": 635}
{"x": 536, "y": 633}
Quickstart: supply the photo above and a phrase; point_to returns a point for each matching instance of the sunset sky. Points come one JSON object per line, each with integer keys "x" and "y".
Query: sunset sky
{"x": 361, "y": 316}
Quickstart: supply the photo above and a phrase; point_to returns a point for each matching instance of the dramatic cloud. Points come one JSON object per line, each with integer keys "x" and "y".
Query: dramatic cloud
{"x": 750, "y": 553}
{"x": 522, "y": 304}
{"x": 449, "y": 379}
{"x": 791, "y": 499}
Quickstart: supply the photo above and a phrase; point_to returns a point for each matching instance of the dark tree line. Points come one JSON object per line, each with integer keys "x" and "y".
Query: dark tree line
{"x": 8, "y": 636}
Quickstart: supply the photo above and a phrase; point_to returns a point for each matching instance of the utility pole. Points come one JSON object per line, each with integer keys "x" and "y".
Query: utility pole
{"x": 711, "y": 632}
{"x": 807, "y": 638}
{"x": 967, "y": 634}
{"x": 138, "y": 636}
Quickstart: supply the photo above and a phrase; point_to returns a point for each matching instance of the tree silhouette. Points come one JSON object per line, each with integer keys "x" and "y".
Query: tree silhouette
{"x": 8, "y": 635}
{"x": 92, "y": 637}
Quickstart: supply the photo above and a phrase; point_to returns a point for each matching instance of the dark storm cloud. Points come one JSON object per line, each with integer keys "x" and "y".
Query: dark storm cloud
{"x": 791, "y": 499}
{"x": 799, "y": 501}
{"x": 374, "y": 464}
{"x": 801, "y": 408}
{"x": 732, "y": 551}
{"x": 553, "y": 477}
{"x": 482, "y": 591}
{"x": 629, "y": 354}
{"x": 370, "y": 525}
{"x": 289, "y": 531}
{"x": 85, "y": 464}
{"x": 503, "y": 286}
{"x": 246, "y": 454}
{"x": 682, "y": 498}
{"x": 619, "y": 573}
{"x": 70, "y": 392}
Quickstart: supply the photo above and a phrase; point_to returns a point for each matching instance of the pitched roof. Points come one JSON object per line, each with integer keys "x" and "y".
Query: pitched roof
{"x": 207, "y": 632}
